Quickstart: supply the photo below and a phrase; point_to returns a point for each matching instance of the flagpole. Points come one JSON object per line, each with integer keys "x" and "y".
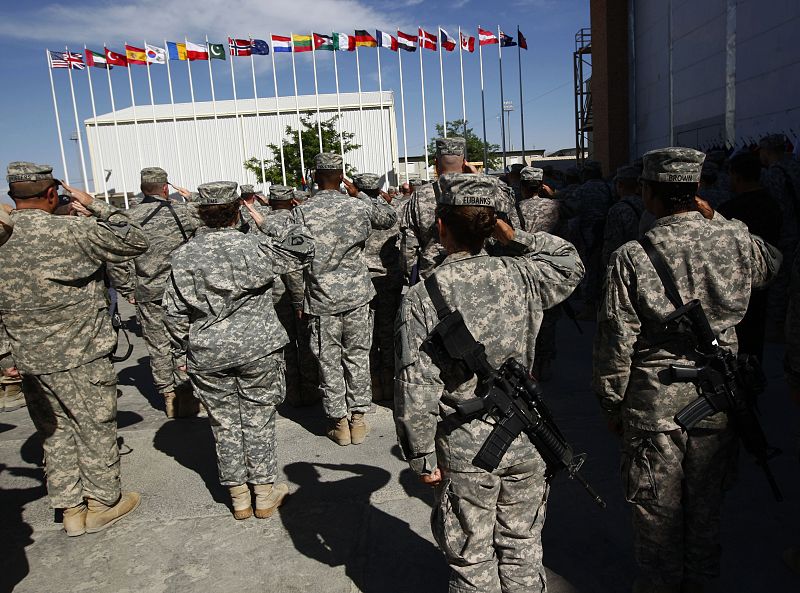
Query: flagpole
{"x": 214, "y": 107}
{"x": 239, "y": 126}
{"x": 463, "y": 97}
{"x": 360, "y": 101}
{"x": 194, "y": 116}
{"x": 403, "y": 107}
{"x": 521, "y": 104}
{"x": 258, "y": 117}
{"x": 116, "y": 133}
{"x": 424, "y": 116}
{"x": 174, "y": 118}
{"x": 299, "y": 121}
{"x": 380, "y": 102}
{"x": 153, "y": 106}
{"x": 502, "y": 98}
{"x": 278, "y": 111}
{"x": 316, "y": 88}
{"x": 483, "y": 105}
{"x": 441, "y": 79}
{"x": 135, "y": 118}
{"x": 58, "y": 119}
{"x": 338, "y": 104}
{"x": 77, "y": 124}
{"x": 96, "y": 133}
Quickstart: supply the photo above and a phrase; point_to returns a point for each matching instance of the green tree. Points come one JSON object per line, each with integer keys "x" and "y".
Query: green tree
{"x": 291, "y": 151}
{"x": 474, "y": 144}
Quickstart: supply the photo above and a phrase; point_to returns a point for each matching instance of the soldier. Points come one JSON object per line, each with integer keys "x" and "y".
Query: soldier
{"x": 674, "y": 479}
{"x": 622, "y": 222}
{"x": 11, "y": 396}
{"x": 220, "y": 317}
{"x": 792, "y": 368}
{"x": 56, "y": 323}
{"x": 488, "y": 524}
{"x": 337, "y": 294}
{"x": 406, "y": 190}
{"x": 250, "y": 196}
{"x": 167, "y": 226}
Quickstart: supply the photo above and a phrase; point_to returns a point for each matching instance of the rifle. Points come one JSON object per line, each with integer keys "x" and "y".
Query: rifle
{"x": 117, "y": 326}
{"x": 508, "y": 394}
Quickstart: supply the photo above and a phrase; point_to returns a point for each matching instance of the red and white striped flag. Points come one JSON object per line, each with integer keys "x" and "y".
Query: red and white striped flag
{"x": 467, "y": 43}
{"x": 406, "y": 42}
{"x": 66, "y": 59}
{"x": 427, "y": 40}
{"x": 486, "y": 37}
{"x": 447, "y": 42}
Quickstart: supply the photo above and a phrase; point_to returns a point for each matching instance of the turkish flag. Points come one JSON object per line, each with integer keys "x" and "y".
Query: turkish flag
{"x": 115, "y": 59}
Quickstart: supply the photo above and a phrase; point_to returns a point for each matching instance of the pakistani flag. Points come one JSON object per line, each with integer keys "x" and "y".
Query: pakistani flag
{"x": 216, "y": 51}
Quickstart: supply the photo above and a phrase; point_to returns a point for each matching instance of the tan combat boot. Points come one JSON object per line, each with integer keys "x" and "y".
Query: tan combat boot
{"x": 74, "y": 521}
{"x": 241, "y": 502}
{"x": 13, "y": 398}
{"x": 169, "y": 404}
{"x": 359, "y": 429}
{"x": 268, "y": 498}
{"x": 339, "y": 432}
{"x": 101, "y": 516}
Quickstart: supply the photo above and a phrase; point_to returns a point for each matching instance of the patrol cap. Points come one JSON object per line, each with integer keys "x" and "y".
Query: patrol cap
{"x": 776, "y": 142}
{"x": 217, "y": 192}
{"x": 452, "y": 146}
{"x": 328, "y": 161}
{"x": 466, "y": 189}
{"x": 24, "y": 171}
{"x": 628, "y": 173}
{"x": 300, "y": 195}
{"x": 280, "y": 193}
{"x": 154, "y": 175}
{"x": 367, "y": 181}
{"x": 247, "y": 190}
{"x": 673, "y": 165}
{"x": 531, "y": 174}
{"x": 417, "y": 181}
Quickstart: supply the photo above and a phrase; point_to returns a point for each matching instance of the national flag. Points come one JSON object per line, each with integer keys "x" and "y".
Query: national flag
{"x": 427, "y": 40}
{"x": 176, "y": 51}
{"x": 301, "y": 43}
{"x": 486, "y": 37}
{"x": 343, "y": 42}
{"x": 68, "y": 59}
{"x": 216, "y": 51}
{"x": 467, "y": 43}
{"x": 447, "y": 42}
{"x": 523, "y": 43}
{"x": 364, "y": 39}
{"x": 323, "y": 42}
{"x": 506, "y": 40}
{"x": 96, "y": 59}
{"x": 259, "y": 47}
{"x": 195, "y": 51}
{"x": 135, "y": 55}
{"x": 240, "y": 47}
{"x": 386, "y": 40}
{"x": 115, "y": 59}
{"x": 406, "y": 42}
{"x": 155, "y": 54}
{"x": 281, "y": 44}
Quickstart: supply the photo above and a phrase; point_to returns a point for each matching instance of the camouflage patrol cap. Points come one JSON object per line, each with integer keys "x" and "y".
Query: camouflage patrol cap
{"x": 367, "y": 181}
{"x": 531, "y": 174}
{"x": 247, "y": 190}
{"x": 217, "y": 192}
{"x": 154, "y": 175}
{"x": 300, "y": 195}
{"x": 24, "y": 171}
{"x": 628, "y": 173}
{"x": 417, "y": 181}
{"x": 673, "y": 165}
{"x": 776, "y": 142}
{"x": 280, "y": 193}
{"x": 328, "y": 161}
{"x": 466, "y": 189}
{"x": 454, "y": 145}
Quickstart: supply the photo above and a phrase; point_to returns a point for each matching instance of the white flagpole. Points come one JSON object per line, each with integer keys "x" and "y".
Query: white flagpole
{"x": 338, "y": 104}
{"x": 96, "y": 133}
{"x": 299, "y": 121}
{"x": 380, "y": 102}
{"x": 441, "y": 79}
{"x": 135, "y": 119}
{"x": 77, "y": 125}
{"x": 360, "y": 103}
{"x": 153, "y": 107}
{"x": 463, "y": 98}
{"x": 483, "y": 104}
{"x": 58, "y": 119}
{"x": 278, "y": 111}
{"x": 214, "y": 108}
{"x": 424, "y": 116}
{"x": 316, "y": 88}
{"x": 259, "y": 122}
{"x": 174, "y": 118}
{"x": 239, "y": 127}
{"x": 116, "y": 134}
{"x": 502, "y": 96}
{"x": 194, "y": 116}
{"x": 403, "y": 107}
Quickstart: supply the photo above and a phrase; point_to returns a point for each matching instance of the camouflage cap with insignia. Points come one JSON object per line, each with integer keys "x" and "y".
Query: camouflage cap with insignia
{"x": 775, "y": 142}
{"x": 24, "y": 171}
{"x": 367, "y": 181}
{"x": 673, "y": 165}
{"x": 280, "y": 193}
{"x": 466, "y": 189}
{"x": 217, "y": 192}
{"x": 628, "y": 173}
{"x": 452, "y": 146}
{"x": 154, "y": 175}
{"x": 328, "y": 161}
{"x": 531, "y": 174}
{"x": 246, "y": 190}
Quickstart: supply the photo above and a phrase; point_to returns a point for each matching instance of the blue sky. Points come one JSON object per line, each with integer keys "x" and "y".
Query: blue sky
{"x": 27, "y": 127}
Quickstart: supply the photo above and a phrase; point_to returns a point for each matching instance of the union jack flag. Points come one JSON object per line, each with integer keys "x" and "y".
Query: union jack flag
{"x": 66, "y": 59}
{"x": 240, "y": 47}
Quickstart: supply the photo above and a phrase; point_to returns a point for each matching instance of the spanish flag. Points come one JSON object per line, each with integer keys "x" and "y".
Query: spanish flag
{"x": 136, "y": 55}
{"x": 364, "y": 39}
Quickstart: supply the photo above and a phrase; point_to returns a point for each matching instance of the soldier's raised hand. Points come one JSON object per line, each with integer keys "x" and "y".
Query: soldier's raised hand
{"x": 77, "y": 195}
{"x": 352, "y": 190}
{"x": 257, "y": 217}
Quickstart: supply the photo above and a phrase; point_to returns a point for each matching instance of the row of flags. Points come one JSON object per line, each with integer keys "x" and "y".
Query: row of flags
{"x": 153, "y": 54}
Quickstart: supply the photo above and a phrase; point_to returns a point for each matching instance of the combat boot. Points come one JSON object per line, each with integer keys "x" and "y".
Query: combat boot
{"x": 74, "y": 520}
{"x": 13, "y": 398}
{"x": 645, "y": 586}
{"x": 241, "y": 502}
{"x": 169, "y": 404}
{"x": 339, "y": 431}
{"x": 268, "y": 498}
{"x": 359, "y": 429}
{"x": 101, "y": 516}
{"x": 792, "y": 559}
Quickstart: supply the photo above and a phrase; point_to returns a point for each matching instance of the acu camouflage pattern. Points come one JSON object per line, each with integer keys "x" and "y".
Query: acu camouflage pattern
{"x": 281, "y": 193}
{"x": 452, "y": 146}
{"x": 539, "y": 214}
{"x": 622, "y": 224}
{"x": 6, "y": 226}
{"x": 419, "y": 221}
{"x": 673, "y": 165}
{"x": 466, "y": 189}
{"x": 328, "y": 161}
{"x": 217, "y": 192}
{"x": 367, "y": 181}
{"x": 531, "y": 175}
{"x": 18, "y": 171}
{"x": 247, "y": 190}
{"x": 153, "y": 175}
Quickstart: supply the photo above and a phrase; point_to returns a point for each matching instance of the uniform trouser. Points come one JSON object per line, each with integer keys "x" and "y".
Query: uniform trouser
{"x": 76, "y": 413}
{"x": 241, "y": 407}
{"x": 489, "y": 527}
{"x": 154, "y": 331}
{"x": 384, "y": 306}
{"x": 341, "y": 345}
{"x": 302, "y": 377}
{"x": 676, "y": 483}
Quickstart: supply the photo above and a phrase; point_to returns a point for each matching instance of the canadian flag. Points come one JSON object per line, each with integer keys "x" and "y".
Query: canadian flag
{"x": 486, "y": 37}
{"x": 447, "y": 42}
{"x": 427, "y": 40}
{"x": 467, "y": 43}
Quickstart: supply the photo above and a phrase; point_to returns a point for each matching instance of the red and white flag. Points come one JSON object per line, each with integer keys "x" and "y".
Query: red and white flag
{"x": 240, "y": 47}
{"x": 406, "y": 42}
{"x": 195, "y": 51}
{"x": 447, "y": 42}
{"x": 115, "y": 59}
{"x": 427, "y": 40}
{"x": 467, "y": 43}
{"x": 486, "y": 37}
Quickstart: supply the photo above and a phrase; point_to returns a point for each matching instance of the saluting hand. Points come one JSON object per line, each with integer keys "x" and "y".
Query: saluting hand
{"x": 77, "y": 195}
{"x": 352, "y": 190}
{"x": 257, "y": 218}
{"x": 503, "y": 231}
{"x": 433, "y": 479}
{"x": 703, "y": 207}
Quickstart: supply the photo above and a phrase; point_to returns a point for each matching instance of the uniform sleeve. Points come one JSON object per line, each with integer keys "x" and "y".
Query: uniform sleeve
{"x": 111, "y": 236}
{"x": 176, "y": 318}
{"x": 618, "y": 326}
{"x": 122, "y": 278}
{"x": 6, "y": 226}
{"x": 792, "y": 363}
{"x": 381, "y": 214}
{"x": 291, "y": 248}
{"x": 766, "y": 261}
{"x": 295, "y": 286}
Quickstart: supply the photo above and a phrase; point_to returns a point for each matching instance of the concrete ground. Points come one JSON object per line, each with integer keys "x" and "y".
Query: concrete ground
{"x": 357, "y": 519}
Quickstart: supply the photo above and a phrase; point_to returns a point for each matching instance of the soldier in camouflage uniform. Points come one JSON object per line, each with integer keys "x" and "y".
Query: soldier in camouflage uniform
{"x": 250, "y": 196}
{"x": 674, "y": 479}
{"x": 622, "y": 222}
{"x": 11, "y": 396}
{"x": 54, "y": 320}
{"x": 792, "y": 369}
{"x": 337, "y": 294}
{"x": 219, "y": 313}
{"x": 488, "y": 524}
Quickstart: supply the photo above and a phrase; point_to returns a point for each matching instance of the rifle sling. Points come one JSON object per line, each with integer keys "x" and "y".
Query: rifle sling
{"x": 163, "y": 204}
{"x": 432, "y": 286}
{"x": 670, "y": 288}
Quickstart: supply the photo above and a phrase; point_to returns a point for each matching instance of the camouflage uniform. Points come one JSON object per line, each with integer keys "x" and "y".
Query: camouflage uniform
{"x": 622, "y": 222}
{"x": 338, "y": 290}
{"x": 593, "y": 199}
{"x": 487, "y": 524}
{"x": 220, "y": 316}
{"x": 55, "y": 321}
{"x": 246, "y": 223}
{"x": 674, "y": 480}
